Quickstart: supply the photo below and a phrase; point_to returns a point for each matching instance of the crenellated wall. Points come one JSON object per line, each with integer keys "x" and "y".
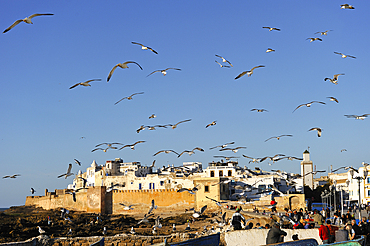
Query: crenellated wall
{"x": 96, "y": 200}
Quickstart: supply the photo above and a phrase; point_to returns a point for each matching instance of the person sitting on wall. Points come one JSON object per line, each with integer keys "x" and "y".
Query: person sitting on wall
{"x": 275, "y": 234}
{"x": 236, "y": 220}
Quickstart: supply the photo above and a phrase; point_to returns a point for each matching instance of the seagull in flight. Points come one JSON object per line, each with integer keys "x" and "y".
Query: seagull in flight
{"x": 346, "y": 6}
{"x": 121, "y": 65}
{"x": 105, "y": 150}
{"x": 27, "y": 20}
{"x": 132, "y": 146}
{"x": 333, "y": 99}
{"x": 270, "y": 50}
{"x": 307, "y": 105}
{"x": 108, "y": 144}
{"x": 152, "y": 116}
{"x": 152, "y": 206}
{"x": 190, "y": 152}
{"x": 32, "y": 190}
{"x": 323, "y": 33}
{"x": 224, "y": 60}
{"x": 198, "y": 214}
{"x": 249, "y": 73}
{"x": 343, "y": 150}
{"x": 334, "y": 80}
{"x": 221, "y": 64}
{"x": 357, "y": 117}
{"x": 166, "y": 151}
{"x": 143, "y": 47}
{"x": 222, "y": 146}
{"x": 191, "y": 191}
{"x": 217, "y": 202}
{"x": 86, "y": 83}
{"x": 225, "y": 157}
{"x": 145, "y": 219}
{"x": 254, "y": 160}
{"x": 314, "y": 39}
{"x": 211, "y": 124}
{"x": 316, "y": 129}
{"x": 126, "y": 207}
{"x": 259, "y": 110}
{"x": 77, "y": 162}
{"x": 164, "y": 71}
{"x": 129, "y": 97}
{"x": 175, "y": 125}
{"x": 278, "y": 137}
{"x": 233, "y": 149}
{"x": 11, "y": 176}
{"x": 68, "y": 173}
{"x": 343, "y": 55}
{"x": 271, "y": 28}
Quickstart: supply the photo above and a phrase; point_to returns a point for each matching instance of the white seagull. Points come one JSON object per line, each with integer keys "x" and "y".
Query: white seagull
{"x": 222, "y": 146}
{"x": 27, "y": 20}
{"x": 323, "y": 33}
{"x": 130, "y": 97}
{"x": 313, "y": 39}
{"x": 249, "y": 73}
{"x": 270, "y": 50}
{"x": 68, "y": 173}
{"x": 175, "y": 125}
{"x": 357, "y": 117}
{"x": 307, "y": 105}
{"x": 271, "y": 28}
{"x": 143, "y": 47}
{"x": 164, "y": 71}
{"x": 346, "y": 6}
{"x": 333, "y": 99}
{"x": 334, "y": 80}
{"x": 152, "y": 206}
{"x": 224, "y": 60}
{"x": 211, "y": 124}
{"x": 132, "y": 146}
{"x": 166, "y": 151}
{"x": 233, "y": 149}
{"x": 259, "y": 110}
{"x": 121, "y": 65}
{"x": 278, "y": 137}
{"x": 126, "y": 207}
{"x": 86, "y": 83}
{"x": 343, "y": 55}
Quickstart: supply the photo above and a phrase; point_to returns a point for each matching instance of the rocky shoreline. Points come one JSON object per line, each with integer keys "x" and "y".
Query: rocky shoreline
{"x": 20, "y": 224}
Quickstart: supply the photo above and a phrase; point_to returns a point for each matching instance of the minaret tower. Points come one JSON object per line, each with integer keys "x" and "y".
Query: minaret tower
{"x": 307, "y": 167}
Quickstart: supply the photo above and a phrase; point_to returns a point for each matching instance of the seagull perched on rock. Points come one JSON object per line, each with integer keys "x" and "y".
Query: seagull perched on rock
{"x": 316, "y": 129}
{"x": 41, "y": 231}
{"x": 69, "y": 233}
{"x": 11, "y": 176}
{"x": 86, "y": 83}
{"x": 249, "y": 73}
{"x": 211, "y": 124}
{"x": 27, "y": 20}
{"x": 68, "y": 173}
{"x": 307, "y": 104}
{"x": 271, "y": 28}
{"x": 166, "y": 151}
{"x": 130, "y": 97}
{"x": 346, "y": 6}
{"x": 334, "y": 80}
{"x": 333, "y": 99}
{"x": 314, "y": 39}
{"x": 121, "y": 65}
{"x": 357, "y": 117}
{"x": 224, "y": 60}
{"x": 278, "y": 137}
{"x": 164, "y": 71}
{"x": 132, "y": 146}
{"x": 132, "y": 231}
{"x": 143, "y": 47}
{"x": 343, "y": 55}
{"x": 233, "y": 149}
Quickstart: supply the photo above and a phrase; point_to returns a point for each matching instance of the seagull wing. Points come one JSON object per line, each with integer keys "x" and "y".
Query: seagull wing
{"x": 153, "y": 72}
{"x": 73, "y": 86}
{"x": 269, "y": 138}
{"x": 241, "y": 75}
{"x": 13, "y": 25}
{"x": 34, "y": 15}
{"x": 120, "y": 100}
{"x": 134, "y": 63}
{"x": 111, "y": 72}
{"x": 298, "y": 107}
{"x": 257, "y": 67}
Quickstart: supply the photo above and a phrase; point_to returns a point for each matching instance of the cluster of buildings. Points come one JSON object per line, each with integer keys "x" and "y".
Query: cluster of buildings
{"x": 104, "y": 188}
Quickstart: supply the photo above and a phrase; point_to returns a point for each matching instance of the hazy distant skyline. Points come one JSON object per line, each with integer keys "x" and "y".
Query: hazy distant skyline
{"x": 46, "y": 125}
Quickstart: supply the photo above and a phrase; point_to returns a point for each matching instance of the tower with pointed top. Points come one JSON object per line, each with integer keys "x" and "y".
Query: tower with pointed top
{"x": 307, "y": 167}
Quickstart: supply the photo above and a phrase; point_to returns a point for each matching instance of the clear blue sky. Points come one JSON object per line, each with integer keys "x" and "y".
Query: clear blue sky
{"x": 42, "y": 120}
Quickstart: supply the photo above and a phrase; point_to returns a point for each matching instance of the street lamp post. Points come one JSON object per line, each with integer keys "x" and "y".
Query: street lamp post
{"x": 335, "y": 199}
{"x": 359, "y": 179}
